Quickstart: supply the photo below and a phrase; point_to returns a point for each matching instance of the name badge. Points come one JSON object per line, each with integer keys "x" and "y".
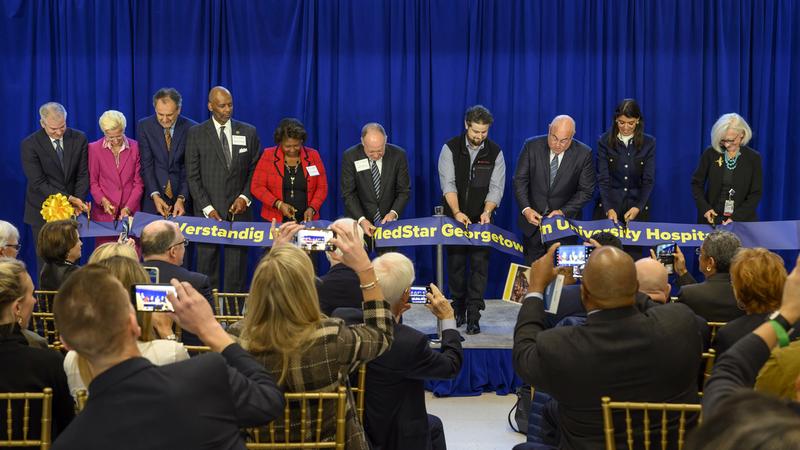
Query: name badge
{"x": 243, "y": 150}
{"x": 362, "y": 164}
{"x": 239, "y": 140}
{"x": 312, "y": 171}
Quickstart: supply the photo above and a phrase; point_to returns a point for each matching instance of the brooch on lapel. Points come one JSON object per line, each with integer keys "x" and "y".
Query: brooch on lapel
{"x": 719, "y": 161}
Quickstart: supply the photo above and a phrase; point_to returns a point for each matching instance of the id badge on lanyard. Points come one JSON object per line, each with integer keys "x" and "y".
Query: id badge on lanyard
{"x": 728, "y": 211}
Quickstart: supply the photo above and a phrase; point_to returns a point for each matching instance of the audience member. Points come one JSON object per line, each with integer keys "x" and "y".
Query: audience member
{"x": 109, "y": 249}
{"x": 152, "y": 325}
{"x": 619, "y": 352}
{"x": 59, "y": 245}
{"x": 727, "y": 411}
{"x": 757, "y": 276}
{"x": 712, "y": 299}
{"x": 25, "y": 367}
{"x": 653, "y": 279}
{"x": 202, "y": 402}
{"x": 285, "y": 330}
{"x": 339, "y": 287}
{"x": 396, "y": 417}
{"x": 9, "y": 240}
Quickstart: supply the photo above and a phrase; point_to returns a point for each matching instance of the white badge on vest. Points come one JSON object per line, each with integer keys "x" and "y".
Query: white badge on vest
{"x": 312, "y": 171}
{"x": 239, "y": 140}
{"x": 362, "y": 164}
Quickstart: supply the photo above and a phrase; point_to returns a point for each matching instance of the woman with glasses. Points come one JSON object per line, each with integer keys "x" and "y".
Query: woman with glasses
{"x": 727, "y": 183}
{"x": 625, "y": 166}
{"x": 9, "y": 240}
{"x": 114, "y": 168}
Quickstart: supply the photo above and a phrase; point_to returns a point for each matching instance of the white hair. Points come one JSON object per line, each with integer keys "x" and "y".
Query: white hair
{"x": 347, "y": 222}
{"x": 395, "y": 274}
{"x": 562, "y": 118}
{"x": 52, "y": 108}
{"x": 7, "y": 232}
{"x": 112, "y": 120}
{"x": 730, "y": 121}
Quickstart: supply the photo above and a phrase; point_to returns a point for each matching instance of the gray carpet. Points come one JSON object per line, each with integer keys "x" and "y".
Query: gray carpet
{"x": 497, "y": 324}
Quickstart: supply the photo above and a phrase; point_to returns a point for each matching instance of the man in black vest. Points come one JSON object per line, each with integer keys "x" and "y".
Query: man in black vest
{"x": 472, "y": 173}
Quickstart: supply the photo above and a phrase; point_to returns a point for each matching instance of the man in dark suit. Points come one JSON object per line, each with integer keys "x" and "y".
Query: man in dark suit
{"x": 162, "y": 145}
{"x": 620, "y": 352}
{"x": 396, "y": 417}
{"x": 202, "y": 402}
{"x": 340, "y": 288}
{"x": 374, "y": 179}
{"x": 54, "y": 160}
{"x": 221, "y": 155}
{"x": 554, "y": 176}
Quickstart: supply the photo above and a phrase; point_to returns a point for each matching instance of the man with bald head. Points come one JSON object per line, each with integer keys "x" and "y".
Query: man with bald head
{"x": 554, "y": 176}
{"x": 374, "y": 179}
{"x": 620, "y": 352}
{"x": 221, "y": 155}
{"x": 652, "y": 276}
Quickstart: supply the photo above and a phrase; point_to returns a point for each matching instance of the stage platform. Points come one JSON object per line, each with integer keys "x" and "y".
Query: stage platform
{"x": 487, "y": 365}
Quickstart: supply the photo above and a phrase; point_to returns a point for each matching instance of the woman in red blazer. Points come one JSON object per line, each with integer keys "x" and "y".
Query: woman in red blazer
{"x": 289, "y": 179}
{"x": 114, "y": 172}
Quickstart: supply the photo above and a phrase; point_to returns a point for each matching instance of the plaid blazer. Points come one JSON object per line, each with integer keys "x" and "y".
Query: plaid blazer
{"x": 337, "y": 349}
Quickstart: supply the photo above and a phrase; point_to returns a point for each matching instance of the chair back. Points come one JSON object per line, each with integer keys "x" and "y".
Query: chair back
{"x": 664, "y": 414}
{"x": 714, "y": 327}
{"x": 305, "y": 409}
{"x": 229, "y": 303}
{"x": 44, "y": 301}
{"x": 195, "y": 350}
{"x": 360, "y": 391}
{"x": 44, "y": 324}
{"x": 18, "y": 411}
{"x": 708, "y": 365}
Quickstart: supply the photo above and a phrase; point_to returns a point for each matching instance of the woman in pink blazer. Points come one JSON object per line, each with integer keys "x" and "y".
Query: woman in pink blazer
{"x": 114, "y": 177}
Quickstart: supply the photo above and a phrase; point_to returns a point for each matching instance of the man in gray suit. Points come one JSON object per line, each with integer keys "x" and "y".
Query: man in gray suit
{"x": 221, "y": 155}
{"x": 554, "y": 176}
{"x": 374, "y": 179}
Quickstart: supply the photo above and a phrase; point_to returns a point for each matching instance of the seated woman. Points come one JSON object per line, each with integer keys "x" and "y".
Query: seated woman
{"x": 757, "y": 276}
{"x": 110, "y": 249}
{"x": 26, "y": 368}
{"x": 59, "y": 245}
{"x": 712, "y": 299}
{"x": 157, "y": 342}
{"x": 304, "y": 350}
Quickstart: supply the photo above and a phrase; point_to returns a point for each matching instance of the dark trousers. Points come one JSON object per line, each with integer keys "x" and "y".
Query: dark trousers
{"x": 467, "y": 286}
{"x": 437, "y": 433}
{"x": 235, "y": 261}
{"x": 39, "y": 261}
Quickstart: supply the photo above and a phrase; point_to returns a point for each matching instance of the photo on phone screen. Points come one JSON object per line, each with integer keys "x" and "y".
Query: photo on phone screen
{"x": 665, "y": 253}
{"x": 152, "y": 297}
{"x": 417, "y": 296}
{"x": 315, "y": 239}
{"x": 574, "y": 256}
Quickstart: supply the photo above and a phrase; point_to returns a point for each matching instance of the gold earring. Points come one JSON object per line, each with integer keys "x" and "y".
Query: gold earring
{"x": 19, "y": 320}
{"x": 708, "y": 268}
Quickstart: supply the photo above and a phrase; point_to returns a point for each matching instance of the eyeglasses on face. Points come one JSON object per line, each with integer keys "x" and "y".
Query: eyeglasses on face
{"x": 16, "y": 247}
{"x": 184, "y": 242}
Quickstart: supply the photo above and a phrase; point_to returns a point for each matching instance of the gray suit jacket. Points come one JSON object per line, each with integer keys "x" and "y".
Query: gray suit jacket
{"x": 572, "y": 188}
{"x": 210, "y": 181}
{"x": 358, "y": 192}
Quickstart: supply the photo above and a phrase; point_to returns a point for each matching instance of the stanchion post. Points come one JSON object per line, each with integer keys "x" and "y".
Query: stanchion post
{"x": 438, "y": 212}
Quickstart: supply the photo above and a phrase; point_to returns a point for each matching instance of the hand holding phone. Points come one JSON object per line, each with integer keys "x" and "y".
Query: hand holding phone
{"x": 315, "y": 239}
{"x": 665, "y": 254}
{"x": 418, "y": 295}
{"x": 574, "y": 256}
{"x": 152, "y": 297}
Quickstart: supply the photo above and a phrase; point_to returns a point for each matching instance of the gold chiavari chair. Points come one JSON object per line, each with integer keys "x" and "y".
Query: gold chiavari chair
{"x": 17, "y": 402}
{"x": 44, "y": 301}
{"x": 664, "y": 413}
{"x": 307, "y": 408}
{"x": 708, "y": 365}
{"x": 228, "y": 303}
{"x": 197, "y": 349}
{"x": 227, "y": 321}
{"x": 360, "y": 391}
{"x": 714, "y": 327}
{"x": 44, "y": 325}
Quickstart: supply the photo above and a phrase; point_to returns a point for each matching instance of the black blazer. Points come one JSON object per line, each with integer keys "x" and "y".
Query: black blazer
{"x": 620, "y": 175}
{"x": 737, "y": 329}
{"x": 572, "y": 188}
{"x": 167, "y": 271}
{"x": 54, "y": 274}
{"x": 395, "y": 415}
{"x": 357, "y": 189}
{"x": 712, "y": 299}
{"x": 210, "y": 181}
{"x": 623, "y": 353}
{"x": 339, "y": 288}
{"x": 159, "y": 165}
{"x": 44, "y": 173}
{"x": 29, "y": 369}
{"x": 199, "y": 403}
{"x": 707, "y": 184}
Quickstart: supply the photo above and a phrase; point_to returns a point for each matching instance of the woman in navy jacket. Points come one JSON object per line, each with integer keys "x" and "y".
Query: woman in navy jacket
{"x": 626, "y": 166}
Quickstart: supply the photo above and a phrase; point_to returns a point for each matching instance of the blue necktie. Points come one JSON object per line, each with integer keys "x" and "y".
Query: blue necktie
{"x": 553, "y": 169}
{"x": 376, "y": 183}
{"x": 60, "y": 153}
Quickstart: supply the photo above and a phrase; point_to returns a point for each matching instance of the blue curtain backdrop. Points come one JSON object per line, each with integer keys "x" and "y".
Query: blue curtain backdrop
{"x": 415, "y": 66}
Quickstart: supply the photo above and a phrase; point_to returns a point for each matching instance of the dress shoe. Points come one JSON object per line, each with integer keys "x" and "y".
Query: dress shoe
{"x": 461, "y": 319}
{"x": 473, "y": 328}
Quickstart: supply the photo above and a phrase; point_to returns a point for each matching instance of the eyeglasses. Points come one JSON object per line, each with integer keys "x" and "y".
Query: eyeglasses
{"x": 730, "y": 141}
{"x": 558, "y": 141}
{"x": 17, "y": 247}
{"x": 184, "y": 242}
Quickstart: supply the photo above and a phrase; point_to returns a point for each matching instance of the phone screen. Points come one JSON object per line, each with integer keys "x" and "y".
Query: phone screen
{"x": 665, "y": 253}
{"x": 152, "y": 297}
{"x": 574, "y": 256}
{"x": 315, "y": 239}
{"x": 417, "y": 296}
{"x": 126, "y": 228}
{"x": 152, "y": 272}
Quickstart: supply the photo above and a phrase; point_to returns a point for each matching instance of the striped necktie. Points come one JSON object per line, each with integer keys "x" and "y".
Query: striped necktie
{"x": 60, "y": 153}
{"x": 376, "y": 183}
{"x": 553, "y": 169}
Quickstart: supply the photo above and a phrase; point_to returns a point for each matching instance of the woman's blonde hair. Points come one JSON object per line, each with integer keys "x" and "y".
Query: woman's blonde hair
{"x": 110, "y": 249}
{"x": 112, "y": 120}
{"x": 282, "y": 307}
{"x": 129, "y": 272}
